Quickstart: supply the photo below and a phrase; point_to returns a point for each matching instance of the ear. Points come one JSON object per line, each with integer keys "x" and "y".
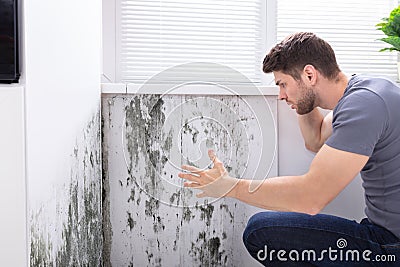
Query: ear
{"x": 311, "y": 74}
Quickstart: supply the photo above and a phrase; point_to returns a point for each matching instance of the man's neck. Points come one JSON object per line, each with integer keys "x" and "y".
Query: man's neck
{"x": 330, "y": 91}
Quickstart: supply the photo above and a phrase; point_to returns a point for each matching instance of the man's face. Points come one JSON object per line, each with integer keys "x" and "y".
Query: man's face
{"x": 295, "y": 93}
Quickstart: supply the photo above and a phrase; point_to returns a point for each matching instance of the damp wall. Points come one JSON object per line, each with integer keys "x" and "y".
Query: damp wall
{"x": 143, "y": 134}
{"x": 149, "y": 218}
{"x": 61, "y": 68}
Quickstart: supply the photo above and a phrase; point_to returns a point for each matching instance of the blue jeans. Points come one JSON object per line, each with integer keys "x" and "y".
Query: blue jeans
{"x": 296, "y": 239}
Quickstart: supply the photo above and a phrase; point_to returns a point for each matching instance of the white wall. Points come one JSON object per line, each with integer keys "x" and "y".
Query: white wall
{"x": 62, "y": 66}
{"x": 294, "y": 159}
{"x": 62, "y": 70}
{"x": 12, "y": 177}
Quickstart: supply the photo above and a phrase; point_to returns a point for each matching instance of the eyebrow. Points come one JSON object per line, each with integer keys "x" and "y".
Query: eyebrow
{"x": 277, "y": 82}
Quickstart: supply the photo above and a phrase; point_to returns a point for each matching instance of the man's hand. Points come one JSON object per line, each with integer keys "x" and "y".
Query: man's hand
{"x": 214, "y": 182}
{"x": 315, "y": 129}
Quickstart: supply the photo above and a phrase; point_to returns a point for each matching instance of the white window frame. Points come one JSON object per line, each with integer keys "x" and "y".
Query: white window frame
{"x": 110, "y": 70}
{"x": 109, "y": 41}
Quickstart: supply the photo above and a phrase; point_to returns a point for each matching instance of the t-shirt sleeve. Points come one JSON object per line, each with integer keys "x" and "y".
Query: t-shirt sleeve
{"x": 358, "y": 123}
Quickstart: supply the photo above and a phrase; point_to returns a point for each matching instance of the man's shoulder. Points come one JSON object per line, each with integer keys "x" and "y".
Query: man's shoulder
{"x": 360, "y": 99}
{"x": 367, "y": 94}
{"x": 371, "y": 86}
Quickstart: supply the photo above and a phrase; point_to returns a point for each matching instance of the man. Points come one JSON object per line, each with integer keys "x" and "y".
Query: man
{"x": 362, "y": 134}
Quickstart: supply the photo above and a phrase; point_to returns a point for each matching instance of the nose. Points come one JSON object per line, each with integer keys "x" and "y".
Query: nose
{"x": 282, "y": 94}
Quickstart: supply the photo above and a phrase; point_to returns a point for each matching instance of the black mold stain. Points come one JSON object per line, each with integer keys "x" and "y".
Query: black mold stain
{"x": 131, "y": 181}
{"x": 164, "y": 160}
{"x": 226, "y": 208}
{"x": 206, "y": 212}
{"x": 156, "y": 262}
{"x": 147, "y": 142}
{"x": 91, "y": 160}
{"x": 139, "y": 199}
{"x": 131, "y": 223}
{"x": 40, "y": 247}
{"x": 186, "y": 128}
{"x": 207, "y": 252}
{"x": 224, "y": 236}
{"x": 149, "y": 256}
{"x": 107, "y": 229}
{"x": 175, "y": 196}
{"x": 213, "y": 246}
{"x": 145, "y": 139}
{"x": 187, "y": 214}
{"x": 158, "y": 224}
{"x": 175, "y": 247}
{"x": 168, "y": 141}
{"x": 132, "y": 196}
{"x": 82, "y": 231}
{"x": 194, "y": 136}
{"x": 152, "y": 206}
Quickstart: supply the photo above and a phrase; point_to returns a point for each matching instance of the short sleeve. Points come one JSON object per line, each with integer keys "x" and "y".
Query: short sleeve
{"x": 358, "y": 122}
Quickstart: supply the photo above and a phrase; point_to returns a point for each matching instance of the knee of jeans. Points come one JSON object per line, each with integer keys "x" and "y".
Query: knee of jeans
{"x": 255, "y": 222}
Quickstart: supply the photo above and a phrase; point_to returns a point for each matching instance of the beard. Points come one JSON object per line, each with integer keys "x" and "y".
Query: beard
{"x": 306, "y": 102}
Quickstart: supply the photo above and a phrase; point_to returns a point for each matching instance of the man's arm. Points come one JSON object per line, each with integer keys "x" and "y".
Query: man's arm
{"x": 315, "y": 129}
{"x": 330, "y": 172}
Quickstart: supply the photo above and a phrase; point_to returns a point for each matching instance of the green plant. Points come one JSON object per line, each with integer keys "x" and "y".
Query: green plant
{"x": 391, "y": 28}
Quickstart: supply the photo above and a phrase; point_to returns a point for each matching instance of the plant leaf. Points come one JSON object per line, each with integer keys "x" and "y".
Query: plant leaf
{"x": 394, "y": 41}
{"x": 391, "y": 28}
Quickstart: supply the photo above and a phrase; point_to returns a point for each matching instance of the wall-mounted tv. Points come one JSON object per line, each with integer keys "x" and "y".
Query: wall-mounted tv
{"x": 9, "y": 56}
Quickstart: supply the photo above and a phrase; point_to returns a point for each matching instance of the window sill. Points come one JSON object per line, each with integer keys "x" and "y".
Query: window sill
{"x": 188, "y": 89}
{"x": 5, "y": 86}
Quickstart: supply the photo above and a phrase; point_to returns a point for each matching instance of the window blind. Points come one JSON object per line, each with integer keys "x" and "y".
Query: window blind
{"x": 154, "y": 36}
{"x": 349, "y": 27}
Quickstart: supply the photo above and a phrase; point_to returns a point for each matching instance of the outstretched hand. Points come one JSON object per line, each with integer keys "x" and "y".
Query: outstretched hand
{"x": 214, "y": 182}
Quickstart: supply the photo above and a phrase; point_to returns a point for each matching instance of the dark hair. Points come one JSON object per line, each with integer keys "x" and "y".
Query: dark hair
{"x": 299, "y": 49}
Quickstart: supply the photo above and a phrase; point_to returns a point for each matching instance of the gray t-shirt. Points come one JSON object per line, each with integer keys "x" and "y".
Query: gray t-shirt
{"x": 366, "y": 121}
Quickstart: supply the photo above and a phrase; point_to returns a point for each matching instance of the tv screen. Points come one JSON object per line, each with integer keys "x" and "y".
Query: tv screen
{"x": 9, "y": 62}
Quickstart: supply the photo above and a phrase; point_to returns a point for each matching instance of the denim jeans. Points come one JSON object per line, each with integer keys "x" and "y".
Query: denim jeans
{"x": 296, "y": 239}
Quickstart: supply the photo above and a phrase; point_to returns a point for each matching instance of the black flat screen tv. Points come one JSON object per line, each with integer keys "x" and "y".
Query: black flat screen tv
{"x": 9, "y": 54}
